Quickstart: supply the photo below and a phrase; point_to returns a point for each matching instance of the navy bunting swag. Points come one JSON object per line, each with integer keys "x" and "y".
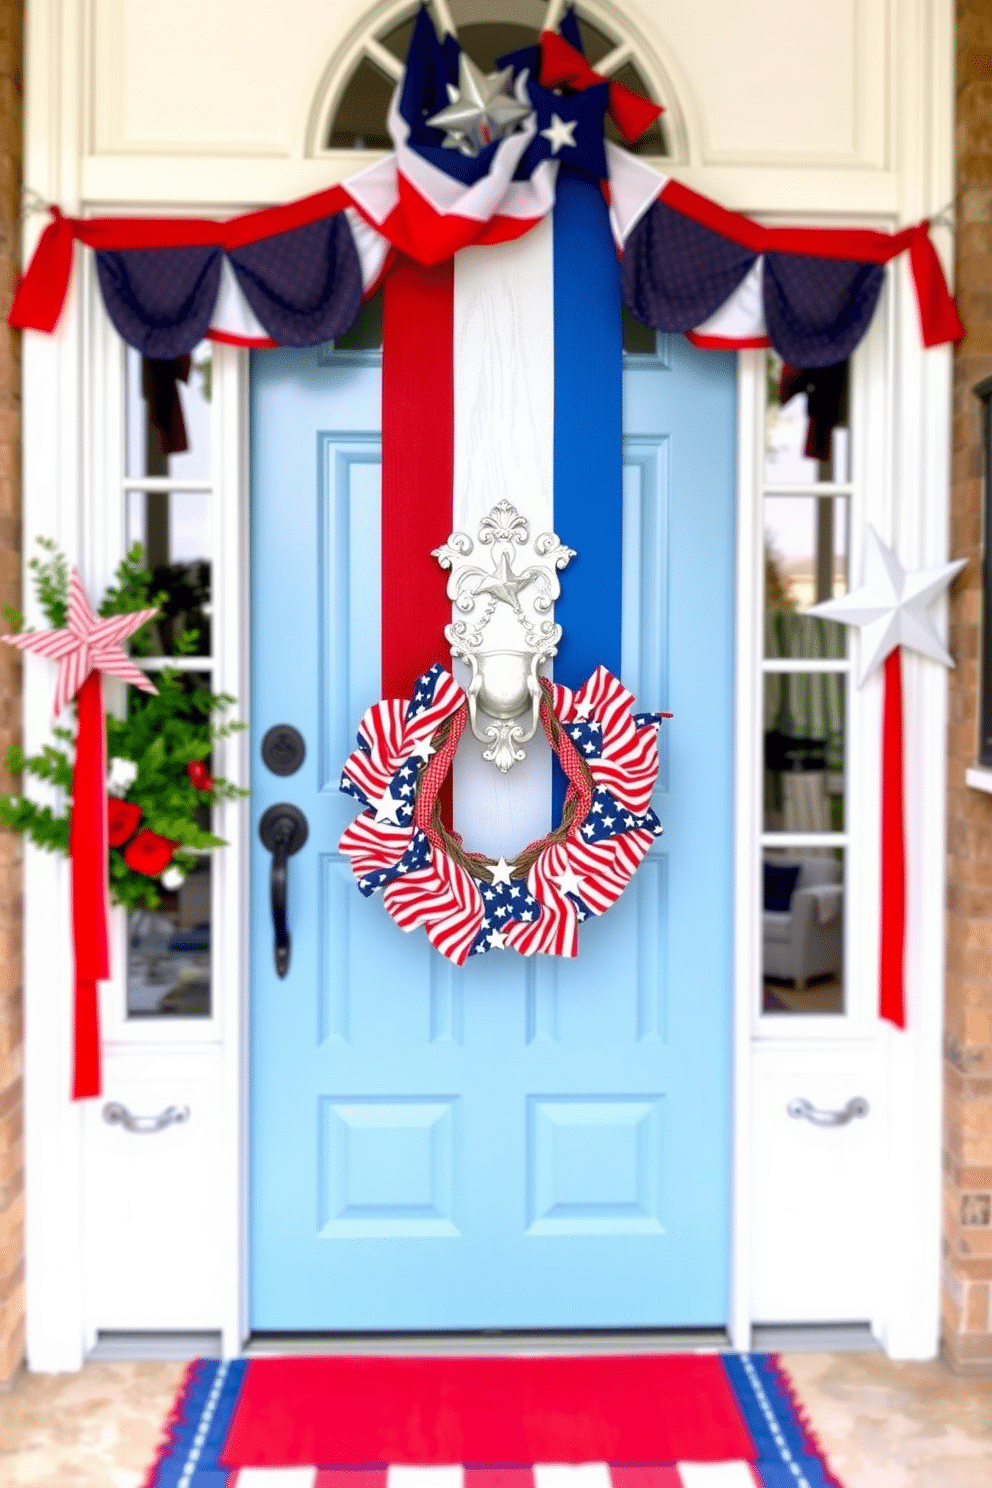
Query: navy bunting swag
{"x": 296, "y": 275}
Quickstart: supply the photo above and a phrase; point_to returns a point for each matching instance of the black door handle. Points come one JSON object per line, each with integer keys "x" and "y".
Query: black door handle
{"x": 283, "y": 830}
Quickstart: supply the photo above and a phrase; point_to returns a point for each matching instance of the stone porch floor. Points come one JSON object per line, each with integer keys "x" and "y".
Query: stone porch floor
{"x": 882, "y": 1425}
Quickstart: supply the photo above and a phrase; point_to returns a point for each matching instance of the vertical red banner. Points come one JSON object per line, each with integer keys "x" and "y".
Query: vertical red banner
{"x": 88, "y": 855}
{"x": 417, "y": 469}
{"x": 891, "y": 1003}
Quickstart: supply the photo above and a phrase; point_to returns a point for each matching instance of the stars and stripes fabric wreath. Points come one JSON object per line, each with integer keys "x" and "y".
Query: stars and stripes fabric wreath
{"x": 466, "y": 903}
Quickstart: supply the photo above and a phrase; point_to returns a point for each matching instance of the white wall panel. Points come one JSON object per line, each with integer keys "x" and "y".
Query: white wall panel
{"x": 774, "y": 82}
{"x": 232, "y": 77}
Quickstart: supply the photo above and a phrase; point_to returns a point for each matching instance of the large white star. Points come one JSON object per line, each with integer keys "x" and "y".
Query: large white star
{"x": 559, "y": 134}
{"x": 500, "y": 871}
{"x": 570, "y": 882}
{"x": 387, "y": 807}
{"x": 892, "y": 606}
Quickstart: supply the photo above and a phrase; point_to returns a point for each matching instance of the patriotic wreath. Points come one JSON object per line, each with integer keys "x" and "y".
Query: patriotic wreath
{"x": 466, "y": 903}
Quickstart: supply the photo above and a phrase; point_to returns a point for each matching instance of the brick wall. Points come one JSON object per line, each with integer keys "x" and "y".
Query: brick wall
{"x": 11, "y": 1022}
{"x": 967, "y": 1274}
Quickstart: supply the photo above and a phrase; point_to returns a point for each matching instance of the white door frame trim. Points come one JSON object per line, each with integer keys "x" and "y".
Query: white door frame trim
{"x": 62, "y": 482}
{"x": 57, "y": 1331}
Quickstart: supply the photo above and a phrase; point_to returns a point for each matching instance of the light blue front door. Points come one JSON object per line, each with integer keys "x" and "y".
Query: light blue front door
{"x": 516, "y": 1144}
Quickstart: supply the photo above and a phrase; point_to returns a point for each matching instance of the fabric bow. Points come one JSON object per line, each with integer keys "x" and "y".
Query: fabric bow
{"x": 563, "y": 65}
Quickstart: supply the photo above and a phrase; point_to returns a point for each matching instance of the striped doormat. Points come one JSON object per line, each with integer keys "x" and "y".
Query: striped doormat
{"x": 634, "y": 1421}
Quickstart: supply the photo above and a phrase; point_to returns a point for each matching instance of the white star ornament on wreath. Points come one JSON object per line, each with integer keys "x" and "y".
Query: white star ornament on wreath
{"x": 892, "y": 607}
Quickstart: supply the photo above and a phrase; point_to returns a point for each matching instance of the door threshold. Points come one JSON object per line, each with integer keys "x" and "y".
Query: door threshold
{"x": 119, "y": 1345}
{"x": 496, "y": 1341}
{"x": 814, "y": 1338}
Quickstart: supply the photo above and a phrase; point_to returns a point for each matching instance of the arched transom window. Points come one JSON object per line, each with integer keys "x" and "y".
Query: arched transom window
{"x": 351, "y": 112}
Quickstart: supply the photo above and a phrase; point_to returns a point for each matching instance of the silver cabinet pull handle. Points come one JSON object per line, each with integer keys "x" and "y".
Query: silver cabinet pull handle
{"x": 117, "y": 1115}
{"x": 801, "y": 1107}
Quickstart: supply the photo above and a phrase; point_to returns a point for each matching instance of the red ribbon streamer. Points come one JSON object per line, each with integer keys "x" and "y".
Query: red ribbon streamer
{"x": 892, "y": 1005}
{"x": 88, "y": 854}
{"x": 418, "y": 452}
{"x": 418, "y": 455}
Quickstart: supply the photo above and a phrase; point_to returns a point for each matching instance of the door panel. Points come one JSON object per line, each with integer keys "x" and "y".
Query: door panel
{"x": 516, "y": 1143}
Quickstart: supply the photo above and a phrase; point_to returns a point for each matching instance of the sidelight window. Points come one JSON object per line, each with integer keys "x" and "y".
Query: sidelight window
{"x": 168, "y": 495}
{"x": 806, "y": 677}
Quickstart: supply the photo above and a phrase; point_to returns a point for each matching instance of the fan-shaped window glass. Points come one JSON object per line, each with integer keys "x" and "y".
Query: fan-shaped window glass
{"x": 595, "y": 43}
{"x": 360, "y": 120}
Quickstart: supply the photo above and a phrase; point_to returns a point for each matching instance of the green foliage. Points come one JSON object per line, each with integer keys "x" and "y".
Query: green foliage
{"x": 51, "y": 583}
{"x": 161, "y": 734}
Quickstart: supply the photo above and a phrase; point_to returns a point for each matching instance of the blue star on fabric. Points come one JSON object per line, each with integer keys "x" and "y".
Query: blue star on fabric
{"x": 504, "y": 904}
{"x": 416, "y": 857}
{"x": 424, "y": 690}
{"x": 587, "y": 736}
{"x": 607, "y": 818}
{"x": 569, "y": 130}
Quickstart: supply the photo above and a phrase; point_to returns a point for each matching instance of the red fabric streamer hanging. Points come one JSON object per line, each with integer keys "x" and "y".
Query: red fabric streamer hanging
{"x": 90, "y": 889}
{"x": 892, "y": 1003}
{"x": 417, "y": 469}
{"x": 418, "y": 453}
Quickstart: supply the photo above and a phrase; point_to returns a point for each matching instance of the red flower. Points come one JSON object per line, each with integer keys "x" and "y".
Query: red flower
{"x": 199, "y": 775}
{"x": 122, "y": 820}
{"x": 149, "y": 853}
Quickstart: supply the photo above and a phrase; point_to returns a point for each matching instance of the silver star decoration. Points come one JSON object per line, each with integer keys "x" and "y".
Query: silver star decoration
{"x": 500, "y": 871}
{"x": 480, "y": 109}
{"x": 504, "y": 584}
{"x": 892, "y": 606}
{"x": 559, "y": 134}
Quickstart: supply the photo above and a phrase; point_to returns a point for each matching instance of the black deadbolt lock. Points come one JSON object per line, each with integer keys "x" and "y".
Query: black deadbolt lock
{"x": 283, "y": 749}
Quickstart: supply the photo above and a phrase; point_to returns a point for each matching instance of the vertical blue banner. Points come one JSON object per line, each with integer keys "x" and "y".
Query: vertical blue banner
{"x": 588, "y": 429}
{"x": 588, "y": 457}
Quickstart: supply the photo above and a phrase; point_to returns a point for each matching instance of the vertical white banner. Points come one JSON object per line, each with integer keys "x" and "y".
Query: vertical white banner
{"x": 504, "y": 450}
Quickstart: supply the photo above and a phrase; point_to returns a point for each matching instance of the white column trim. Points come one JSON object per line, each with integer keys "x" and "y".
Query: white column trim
{"x": 747, "y": 825}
